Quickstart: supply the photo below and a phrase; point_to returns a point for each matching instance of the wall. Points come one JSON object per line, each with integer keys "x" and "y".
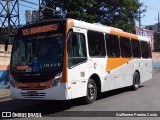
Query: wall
{"x": 4, "y": 66}
{"x": 156, "y": 60}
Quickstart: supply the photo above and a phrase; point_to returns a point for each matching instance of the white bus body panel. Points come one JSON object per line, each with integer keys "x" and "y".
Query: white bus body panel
{"x": 58, "y": 92}
{"x": 146, "y": 74}
{"x": 98, "y": 66}
{"x": 77, "y": 79}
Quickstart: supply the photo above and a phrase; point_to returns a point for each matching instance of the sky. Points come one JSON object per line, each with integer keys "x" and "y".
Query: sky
{"x": 26, "y": 6}
{"x": 151, "y": 15}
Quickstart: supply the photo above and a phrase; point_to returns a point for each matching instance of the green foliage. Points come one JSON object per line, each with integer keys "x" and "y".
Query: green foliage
{"x": 85, "y": 10}
{"x": 117, "y": 13}
{"x": 120, "y": 13}
{"x": 49, "y": 10}
{"x": 48, "y": 13}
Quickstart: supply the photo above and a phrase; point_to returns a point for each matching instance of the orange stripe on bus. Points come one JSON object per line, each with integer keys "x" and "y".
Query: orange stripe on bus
{"x": 69, "y": 24}
{"x": 123, "y": 34}
{"x": 34, "y": 85}
{"x": 22, "y": 67}
{"x": 113, "y": 63}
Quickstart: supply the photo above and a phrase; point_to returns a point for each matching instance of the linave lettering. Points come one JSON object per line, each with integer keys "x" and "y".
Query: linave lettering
{"x": 50, "y": 65}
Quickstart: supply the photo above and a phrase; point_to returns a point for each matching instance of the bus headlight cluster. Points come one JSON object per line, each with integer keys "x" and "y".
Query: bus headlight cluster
{"x": 12, "y": 81}
{"x": 57, "y": 79}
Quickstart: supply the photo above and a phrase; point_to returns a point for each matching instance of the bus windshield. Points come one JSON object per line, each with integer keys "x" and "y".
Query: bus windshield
{"x": 37, "y": 54}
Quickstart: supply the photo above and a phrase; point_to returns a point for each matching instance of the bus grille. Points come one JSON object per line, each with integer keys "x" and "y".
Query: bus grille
{"x": 37, "y": 95}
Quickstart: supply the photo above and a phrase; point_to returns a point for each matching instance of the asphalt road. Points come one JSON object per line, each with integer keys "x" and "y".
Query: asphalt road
{"x": 146, "y": 98}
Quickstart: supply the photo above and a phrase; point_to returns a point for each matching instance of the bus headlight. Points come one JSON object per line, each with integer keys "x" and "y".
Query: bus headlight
{"x": 12, "y": 81}
{"x": 57, "y": 79}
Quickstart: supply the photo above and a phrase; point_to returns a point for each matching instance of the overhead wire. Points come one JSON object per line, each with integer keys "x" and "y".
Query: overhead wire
{"x": 30, "y": 2}
{"x": 153, "y": 9}
{"x": 37, "y": 5}
{"x": 27, "y": 6}
{"x": 149, "y": 20}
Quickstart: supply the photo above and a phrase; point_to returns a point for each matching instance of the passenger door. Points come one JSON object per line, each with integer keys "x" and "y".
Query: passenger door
{"x": 77, "y": 62}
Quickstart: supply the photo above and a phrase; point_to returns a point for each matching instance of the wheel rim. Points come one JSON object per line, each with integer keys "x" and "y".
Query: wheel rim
{"x": 136, "y": 79}
{"x": 91, "y": 91}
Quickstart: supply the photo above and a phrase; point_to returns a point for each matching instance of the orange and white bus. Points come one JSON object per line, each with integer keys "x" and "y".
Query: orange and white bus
{"x": 66, "y": 59}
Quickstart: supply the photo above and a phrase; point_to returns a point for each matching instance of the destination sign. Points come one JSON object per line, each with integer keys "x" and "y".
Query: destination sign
{"x": 40, "y": 29}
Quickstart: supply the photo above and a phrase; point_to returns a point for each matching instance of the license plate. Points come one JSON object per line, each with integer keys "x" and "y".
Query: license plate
{"x": 32, "y": 93}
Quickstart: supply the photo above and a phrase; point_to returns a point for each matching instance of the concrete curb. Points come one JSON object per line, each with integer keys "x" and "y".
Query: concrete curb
{"x": 4, "y": 94}
{"x": 4, "y": 98}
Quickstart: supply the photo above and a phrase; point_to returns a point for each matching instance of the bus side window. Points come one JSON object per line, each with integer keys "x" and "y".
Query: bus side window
{"x": 125, "y": 47}
{"x": 144, "y": 49}
{"x": 112, "y": 45}
{"x": 96, "y": 44}
{"x": 76, "y": 49}
{"x": 136, "y": 48}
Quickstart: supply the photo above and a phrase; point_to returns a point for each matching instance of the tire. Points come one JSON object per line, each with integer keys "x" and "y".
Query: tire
{"x": 91, "y": 92}
{"x": 136, "y": 81}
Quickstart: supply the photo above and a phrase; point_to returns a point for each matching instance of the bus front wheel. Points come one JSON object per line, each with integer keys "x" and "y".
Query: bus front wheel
{"x": 136, "y": 81}
{"x": 91, "y": 91}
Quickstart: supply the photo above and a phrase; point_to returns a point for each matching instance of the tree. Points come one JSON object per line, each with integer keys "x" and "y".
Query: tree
{"x": 49, "y": 9}
{"x": 85, "y": 10}
{"x": 117, "y": 13}
{"x": 120, "y": 13}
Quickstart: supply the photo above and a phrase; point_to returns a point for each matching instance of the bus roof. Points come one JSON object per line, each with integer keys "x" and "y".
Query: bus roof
{"x": 107, "y": 29}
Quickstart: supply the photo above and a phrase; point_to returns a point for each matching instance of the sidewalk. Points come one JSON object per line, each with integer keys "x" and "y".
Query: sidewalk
{"x": 4, "y": 94}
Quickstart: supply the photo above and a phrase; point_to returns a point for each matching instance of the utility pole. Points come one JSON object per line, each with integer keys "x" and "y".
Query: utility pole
{"x": 139, "y": 18}
{"x": 140, "y": 13}
{"x": 158, "y": 23}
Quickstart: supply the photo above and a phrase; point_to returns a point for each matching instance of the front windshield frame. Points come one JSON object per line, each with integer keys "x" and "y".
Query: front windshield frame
{"x": 44, "y": 36}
